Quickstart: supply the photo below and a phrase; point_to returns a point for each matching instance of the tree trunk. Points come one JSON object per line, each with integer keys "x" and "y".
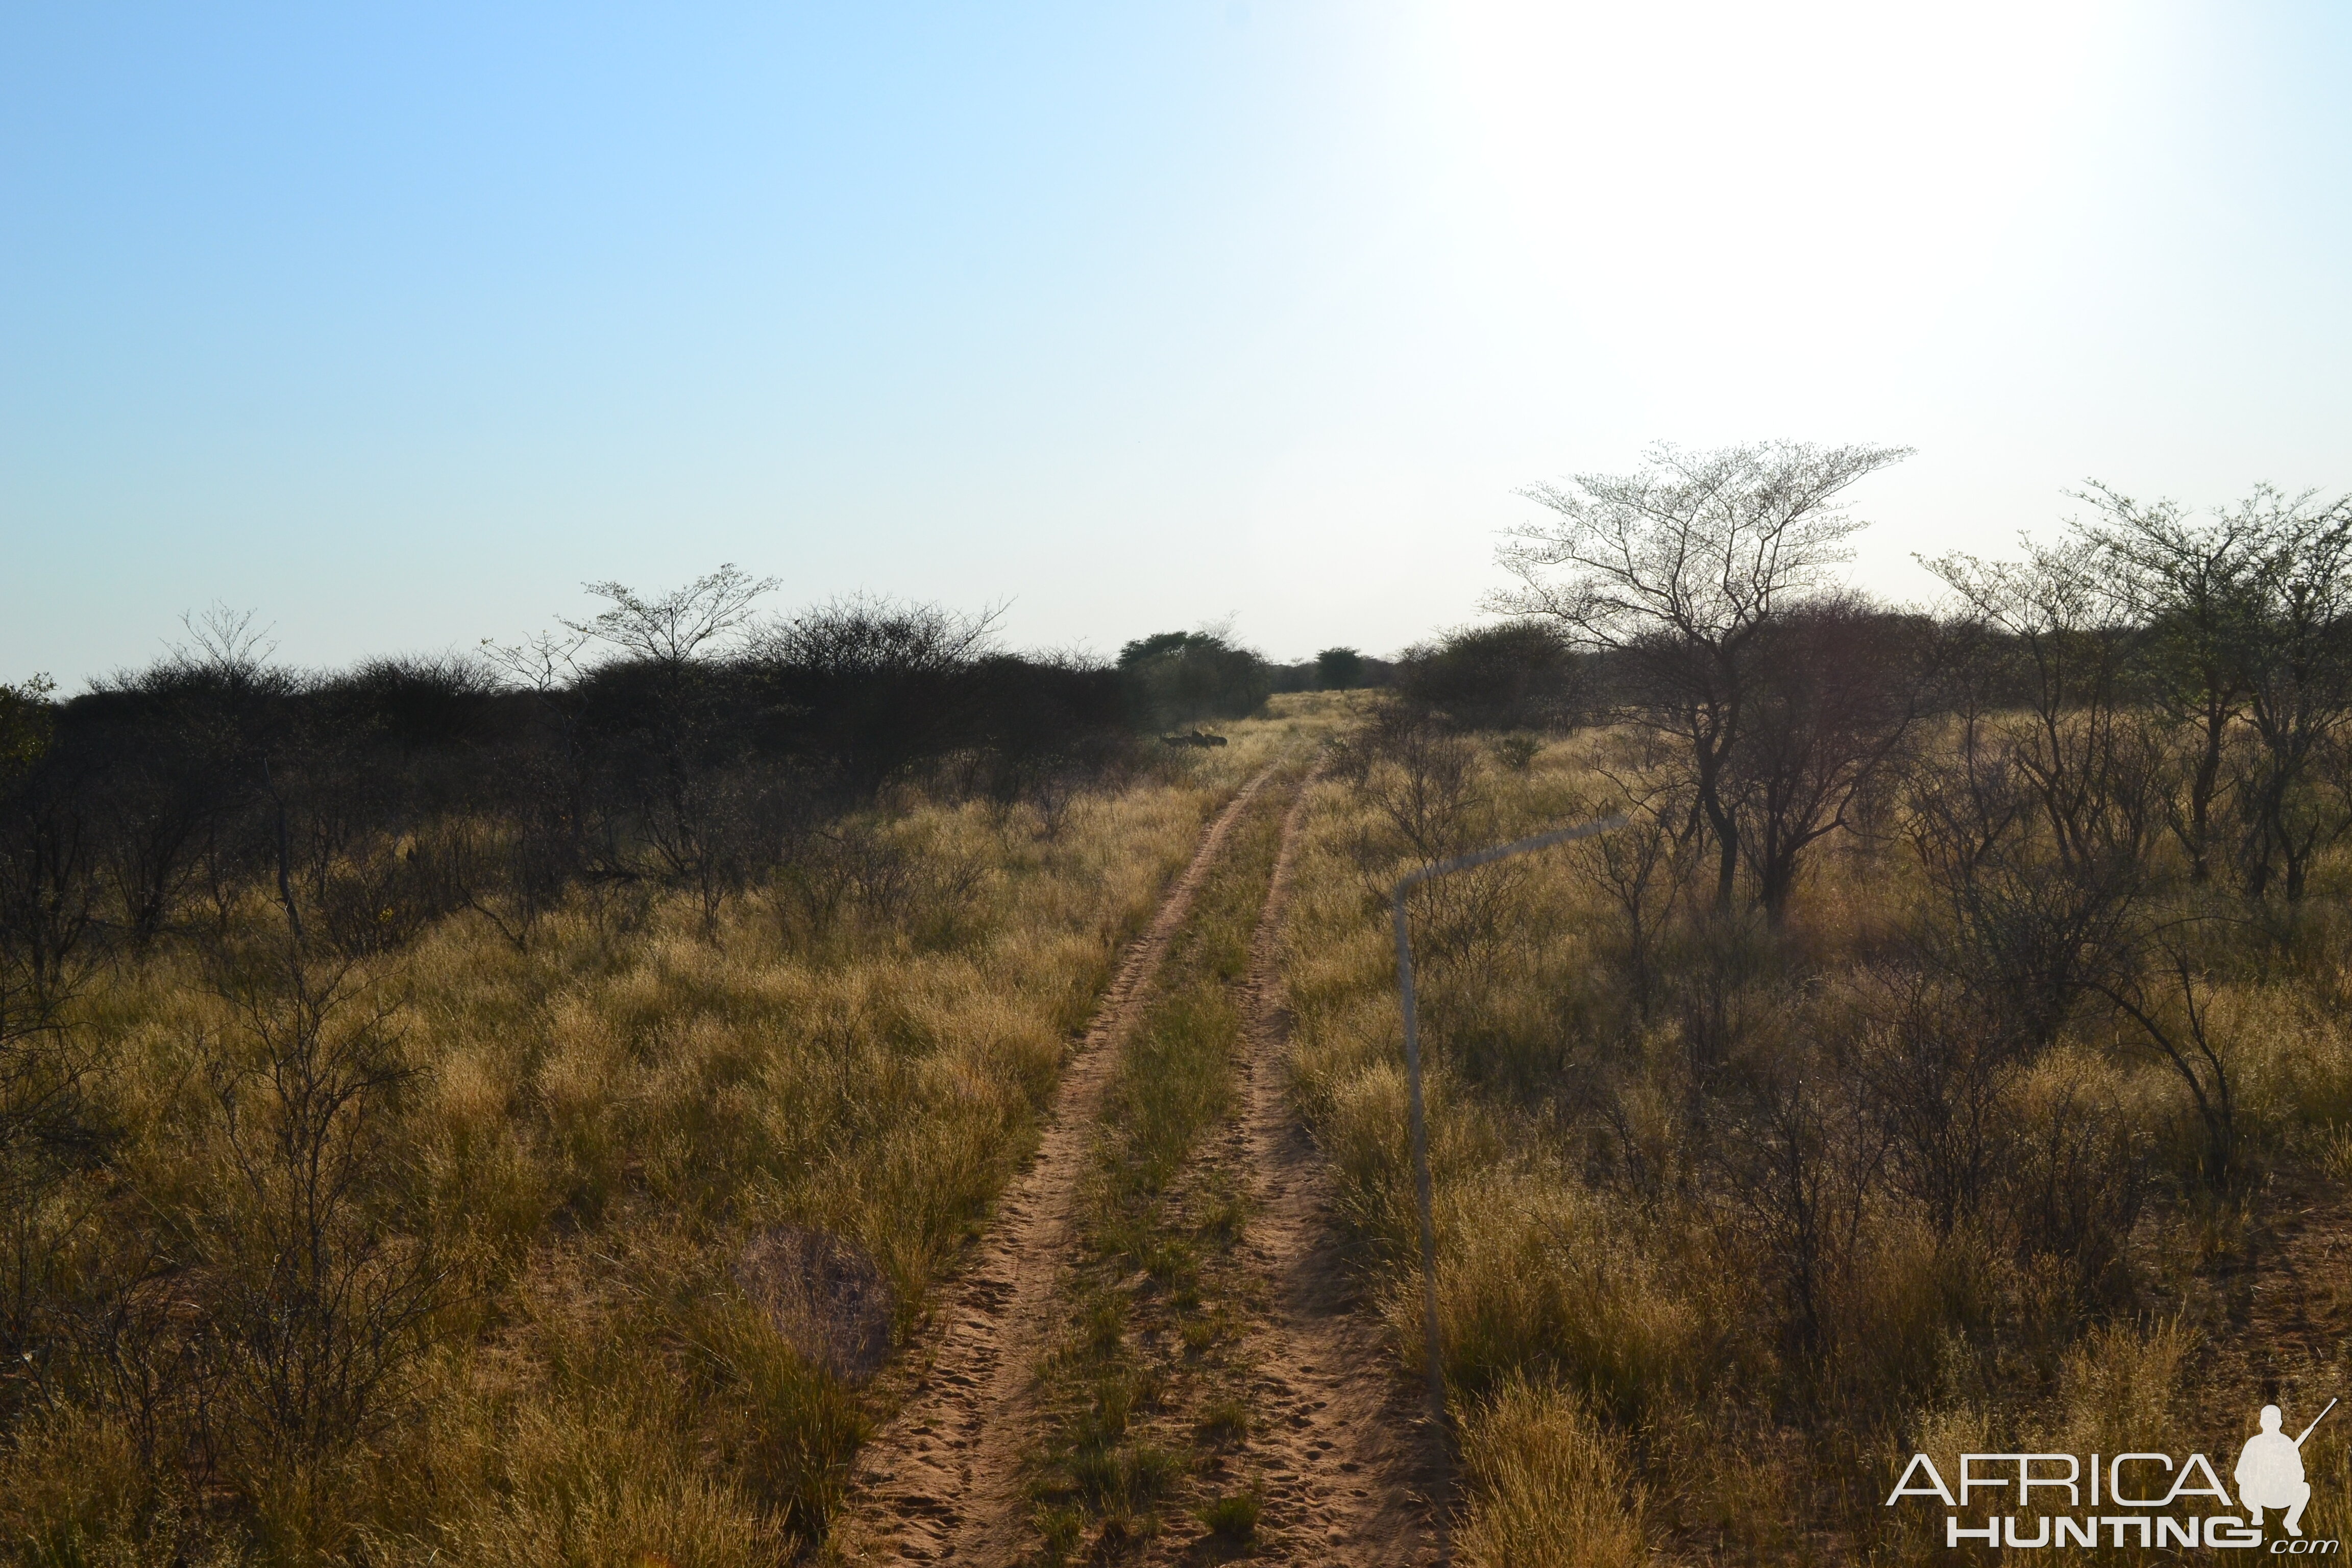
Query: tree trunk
{"x": 1726, "y": 828}
{"x": 2201, "y": 786}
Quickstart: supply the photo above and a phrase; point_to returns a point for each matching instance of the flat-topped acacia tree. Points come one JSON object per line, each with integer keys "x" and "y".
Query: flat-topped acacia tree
{"x": 1677, "y": 572}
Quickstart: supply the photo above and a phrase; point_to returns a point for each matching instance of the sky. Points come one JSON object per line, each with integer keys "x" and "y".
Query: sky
{"x": 396, "y": 324}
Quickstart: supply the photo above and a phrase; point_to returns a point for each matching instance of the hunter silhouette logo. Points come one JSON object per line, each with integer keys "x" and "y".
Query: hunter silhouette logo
{"x": 2269, "y": 1476}
{"x": 2269, "y": 1471}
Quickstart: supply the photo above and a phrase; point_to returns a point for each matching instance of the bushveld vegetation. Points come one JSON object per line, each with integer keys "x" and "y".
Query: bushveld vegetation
{"x": 505, "y": 1110}
{"x": 503, "y": 1113}
{"x": 1949, "y": 1054}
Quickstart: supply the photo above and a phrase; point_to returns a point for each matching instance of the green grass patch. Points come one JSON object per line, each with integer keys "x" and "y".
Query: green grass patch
{"x": 1233, "y": 1518}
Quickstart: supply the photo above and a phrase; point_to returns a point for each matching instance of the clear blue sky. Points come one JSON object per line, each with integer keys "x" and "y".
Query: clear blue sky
{"x": 397, "y": 322}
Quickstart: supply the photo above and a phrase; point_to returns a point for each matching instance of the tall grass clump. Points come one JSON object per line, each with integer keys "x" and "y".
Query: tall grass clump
{"x": 1549, "y": 1489}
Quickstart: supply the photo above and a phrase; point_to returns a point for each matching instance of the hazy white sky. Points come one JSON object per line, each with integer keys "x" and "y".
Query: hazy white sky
{"x": 396, "y": 323}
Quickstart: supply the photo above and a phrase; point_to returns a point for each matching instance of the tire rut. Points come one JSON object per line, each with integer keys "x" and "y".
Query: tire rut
{"x": 941, "y": 1481}
{"x": 1355, "y": 1474}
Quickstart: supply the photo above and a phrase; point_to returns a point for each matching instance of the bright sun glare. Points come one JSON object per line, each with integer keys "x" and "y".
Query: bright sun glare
{"x": 1748, "y": 182}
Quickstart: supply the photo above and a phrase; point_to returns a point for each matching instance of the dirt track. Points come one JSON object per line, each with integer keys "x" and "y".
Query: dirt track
{"x": 1347, "y": 1452}
{"x": 942, "y": 1482}
{"x": 1346, "y": 1464}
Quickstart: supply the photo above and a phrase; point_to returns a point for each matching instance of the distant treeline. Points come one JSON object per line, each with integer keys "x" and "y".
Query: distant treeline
{"x": 673, "y": 739}
{"x": 670, "y": 739}
{"x": 1178, "y": 676}
{"x": 156, "y": 796}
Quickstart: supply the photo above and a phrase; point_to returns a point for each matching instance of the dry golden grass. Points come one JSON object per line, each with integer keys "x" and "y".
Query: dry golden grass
{"x": 1618, "y": 1308}
{"x": 1548, "y": 1487}
{"x": 574, "y": 1142}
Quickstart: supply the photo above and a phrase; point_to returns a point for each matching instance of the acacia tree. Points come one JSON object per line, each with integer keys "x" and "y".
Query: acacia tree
{"x": 668, "y": 631}
{"x": 687, "y": 811}
{"x": 1675, "y": 572}
{"x": 2196, "y": 588}
{"x": 2057, "y": 643}
{"x": 1835, "y": 696}
{"x": 2299, "y": 688}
